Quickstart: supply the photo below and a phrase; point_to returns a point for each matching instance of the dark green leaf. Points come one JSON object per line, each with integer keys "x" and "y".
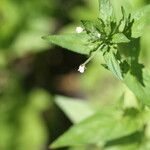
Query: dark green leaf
{"x": 130, "y": 142}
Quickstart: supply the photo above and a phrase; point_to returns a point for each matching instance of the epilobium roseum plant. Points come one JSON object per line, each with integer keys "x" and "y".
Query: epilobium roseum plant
{"x": 118, "y": 40}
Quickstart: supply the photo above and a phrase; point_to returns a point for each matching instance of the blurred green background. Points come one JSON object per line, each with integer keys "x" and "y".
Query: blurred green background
{"x": 33, "y": 73}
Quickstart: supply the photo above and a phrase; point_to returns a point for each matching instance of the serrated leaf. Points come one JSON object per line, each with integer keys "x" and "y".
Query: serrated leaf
{"x": 74, "y": 42}
{"x": 113, "y": 64}
{"x": 141, "y": 91}
{"x": 141, "y": 17}
{"x": 89, "y": 25}
{"x": 91, "y": 28}
{"x": 118, "y": 4}
{"x": 120, "y": 38}
{"x": 104, "y": 126}
{"x": 76, "y": 109}
{"x": 106, "y": 10}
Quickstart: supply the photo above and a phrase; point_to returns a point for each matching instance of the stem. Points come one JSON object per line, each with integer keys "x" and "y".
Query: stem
{"x": 92, "y": 55}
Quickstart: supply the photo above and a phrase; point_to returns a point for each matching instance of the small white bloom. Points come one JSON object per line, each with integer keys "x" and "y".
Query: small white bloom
{"x": 98, "y": 35}
{"x": 81, "y": 68}
{"x": 79, "y": 29}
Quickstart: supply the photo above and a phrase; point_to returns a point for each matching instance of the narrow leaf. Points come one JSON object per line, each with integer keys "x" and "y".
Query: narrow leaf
{"x": 113, "y": 64}
{"x": 75, "y": 42}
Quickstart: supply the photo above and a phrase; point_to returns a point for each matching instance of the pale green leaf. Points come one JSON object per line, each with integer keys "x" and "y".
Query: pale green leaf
{"x": 120, "y": 38}
{"x": 141, "y": 18}
{"x": 141, "y": 91}
{"x": 75, "y": 42}
{"x": 75, "y": 109}
{"x": 106, "y": 10}
{"x": 106, "y": 125}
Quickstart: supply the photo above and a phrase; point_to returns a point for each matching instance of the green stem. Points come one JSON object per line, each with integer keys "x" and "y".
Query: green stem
{"x": 92, "y": 55}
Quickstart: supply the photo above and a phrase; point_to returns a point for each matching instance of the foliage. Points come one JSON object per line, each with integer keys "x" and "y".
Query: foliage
{"x": 34, "y": 75}
{"x": 118, "y": 41}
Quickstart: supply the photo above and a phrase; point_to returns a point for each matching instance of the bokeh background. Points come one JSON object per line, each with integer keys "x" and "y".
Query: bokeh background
{"x": 33, "y": 73}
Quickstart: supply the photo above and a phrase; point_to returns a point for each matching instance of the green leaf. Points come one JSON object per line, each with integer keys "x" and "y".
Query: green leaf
{"x": 130, "y": 142}
{"x": 106, "y": 10}
{"x": 75, "y": 42}
{"x": 113, "y": 64}
{"x": 28, "y": 42}
{"x": 141, "y": 18}
{"x": 89, "y": 25}
{"x": 120, "y": 38}
{"x": 106, "y": 125}
{"x": 141, "y": 91}
{"x": 76, "y": 109}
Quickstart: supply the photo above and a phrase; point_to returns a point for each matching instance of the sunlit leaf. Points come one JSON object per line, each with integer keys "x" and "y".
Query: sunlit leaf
{"x": 106, "y": 10}
{"x": 141, "y": 91}
{"x": 75, "y": 109}
{"x": 141, "y": 18}
{"x": 106, "y": 125}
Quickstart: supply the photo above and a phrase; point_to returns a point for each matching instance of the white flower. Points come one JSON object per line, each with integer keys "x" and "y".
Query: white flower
{"x": 98, "y": 35}
{"x": 79, "y": 29}
{"x": 81, "y": 68}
